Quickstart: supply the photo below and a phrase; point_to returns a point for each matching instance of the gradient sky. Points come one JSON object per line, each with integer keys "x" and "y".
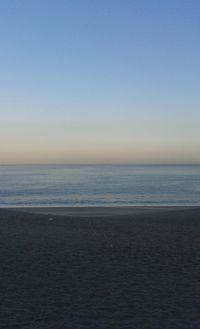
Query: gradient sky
{"x": 99, "y": 81}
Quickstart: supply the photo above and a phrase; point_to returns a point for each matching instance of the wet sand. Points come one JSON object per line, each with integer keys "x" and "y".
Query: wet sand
{"x": 99, "y": 211}
{"x": 100, "y": 268}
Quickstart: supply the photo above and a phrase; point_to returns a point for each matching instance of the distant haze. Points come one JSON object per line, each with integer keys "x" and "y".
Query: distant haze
{"x": 108, "y": 81}
{"x": 100, "y": 142}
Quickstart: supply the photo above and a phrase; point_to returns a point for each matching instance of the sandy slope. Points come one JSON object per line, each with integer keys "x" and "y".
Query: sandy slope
{"x": 138, "y": 270}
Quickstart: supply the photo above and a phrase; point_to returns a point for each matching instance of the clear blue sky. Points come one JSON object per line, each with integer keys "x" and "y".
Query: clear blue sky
{"x": 99, "y": 81}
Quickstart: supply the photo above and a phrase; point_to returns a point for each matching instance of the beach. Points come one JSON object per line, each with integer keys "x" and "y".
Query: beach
{"x": 106, "y": 267}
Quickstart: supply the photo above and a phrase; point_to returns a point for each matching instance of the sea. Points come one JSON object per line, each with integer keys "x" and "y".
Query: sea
{"x": 99, "y": 185}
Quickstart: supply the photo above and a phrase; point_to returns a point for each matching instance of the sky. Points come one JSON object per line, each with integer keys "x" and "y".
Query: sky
{"x": 99, "y": 81}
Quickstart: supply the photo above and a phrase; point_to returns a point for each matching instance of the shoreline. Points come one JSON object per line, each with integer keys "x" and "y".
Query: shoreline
{"x": 103, "y": 211}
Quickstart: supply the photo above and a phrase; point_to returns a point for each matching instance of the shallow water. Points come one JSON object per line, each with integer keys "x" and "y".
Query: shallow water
{"x": 99, "y": 185}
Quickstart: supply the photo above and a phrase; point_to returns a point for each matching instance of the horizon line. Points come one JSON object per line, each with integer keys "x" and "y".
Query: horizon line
{"x": 103, "y": 164}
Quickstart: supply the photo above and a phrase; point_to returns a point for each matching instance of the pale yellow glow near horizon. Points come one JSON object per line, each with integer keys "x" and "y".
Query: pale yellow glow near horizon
{"x": 99, "y": 142}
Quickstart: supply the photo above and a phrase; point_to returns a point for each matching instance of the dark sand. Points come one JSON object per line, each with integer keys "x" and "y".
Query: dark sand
{"x": 134, "y": 269}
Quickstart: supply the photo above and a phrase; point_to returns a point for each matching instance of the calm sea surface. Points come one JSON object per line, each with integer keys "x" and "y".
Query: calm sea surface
{"x": 99, "y": 185}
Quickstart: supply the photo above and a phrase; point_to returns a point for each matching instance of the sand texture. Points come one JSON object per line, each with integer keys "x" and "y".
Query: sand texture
{"x": 137, "y": 270}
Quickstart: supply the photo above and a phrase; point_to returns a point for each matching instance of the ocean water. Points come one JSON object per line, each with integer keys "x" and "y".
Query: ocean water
{"x": 99, "y": 185}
